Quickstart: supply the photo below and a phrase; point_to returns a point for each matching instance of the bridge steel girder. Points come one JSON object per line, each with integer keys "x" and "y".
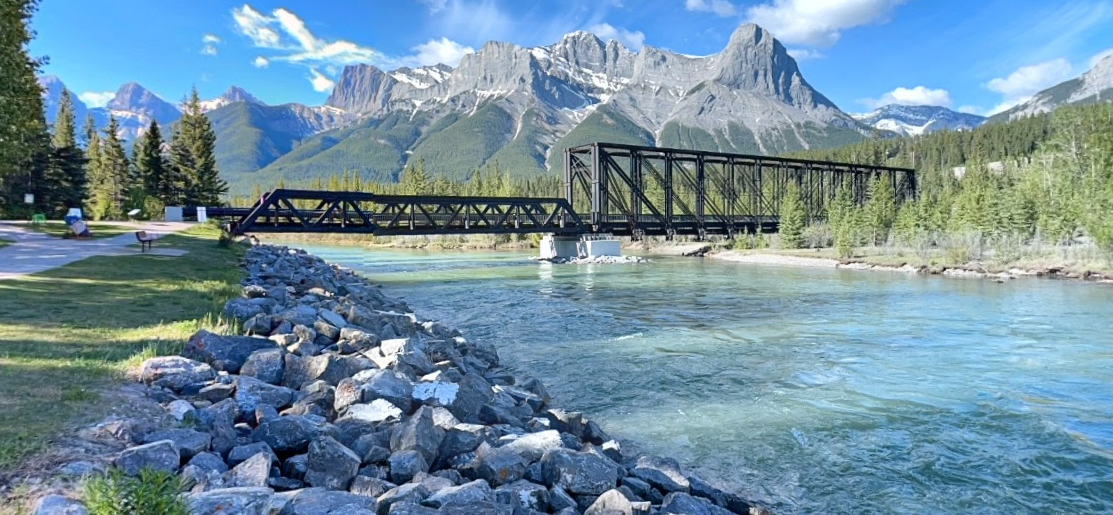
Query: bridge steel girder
{"x": 636, "y": 191}
{"x": 343, "y": 212}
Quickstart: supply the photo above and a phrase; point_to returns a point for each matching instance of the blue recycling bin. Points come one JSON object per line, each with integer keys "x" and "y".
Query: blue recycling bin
{"x": 70, "y": 219}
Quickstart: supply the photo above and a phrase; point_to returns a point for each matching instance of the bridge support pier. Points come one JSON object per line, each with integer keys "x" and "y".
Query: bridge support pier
{"x": 574, "y": 247}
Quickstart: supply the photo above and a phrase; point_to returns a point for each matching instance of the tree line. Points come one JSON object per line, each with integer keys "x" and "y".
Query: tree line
{"x": 54, "y": 169}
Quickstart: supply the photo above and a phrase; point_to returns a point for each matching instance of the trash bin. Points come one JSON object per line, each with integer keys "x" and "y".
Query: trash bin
{"x": 72, "y": 218}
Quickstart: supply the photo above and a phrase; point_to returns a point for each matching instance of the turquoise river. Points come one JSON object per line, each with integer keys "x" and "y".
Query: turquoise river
{"x": 812, "y": 390}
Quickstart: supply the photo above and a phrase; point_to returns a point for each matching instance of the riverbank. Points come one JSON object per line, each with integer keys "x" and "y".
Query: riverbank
{"x": 1088, "y": 270}
{"x": 466, "y": 242}
{"x": 345, "y": 399}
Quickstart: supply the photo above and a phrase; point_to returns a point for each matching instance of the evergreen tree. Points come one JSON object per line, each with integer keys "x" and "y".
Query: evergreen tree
{"x": 152, "y": 169}
{"x": 192, "y": 156}
{"x": 67, "y": 161}
{"x": 792, "y": 218}
{"x": 880, "y": 209}
{"x": 94, "y": 172}
{"x": 110, "y": 192}
{"x": 414, "y": 180}
{"x": 843, "y": 219}
{"x": 23, "y": 136}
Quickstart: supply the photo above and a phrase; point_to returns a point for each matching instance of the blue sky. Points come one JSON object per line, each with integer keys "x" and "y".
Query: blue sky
{"x": 972, "y": 55}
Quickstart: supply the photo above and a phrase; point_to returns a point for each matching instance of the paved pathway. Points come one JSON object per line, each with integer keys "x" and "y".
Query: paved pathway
{"x": 35, "y": 252}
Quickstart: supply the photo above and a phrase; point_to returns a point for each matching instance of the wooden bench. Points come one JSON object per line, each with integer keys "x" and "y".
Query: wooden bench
{"x": 145, "y": 240}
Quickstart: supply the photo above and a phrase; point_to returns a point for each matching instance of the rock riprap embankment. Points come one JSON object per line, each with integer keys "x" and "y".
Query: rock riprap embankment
{"x": 339, "y": 400}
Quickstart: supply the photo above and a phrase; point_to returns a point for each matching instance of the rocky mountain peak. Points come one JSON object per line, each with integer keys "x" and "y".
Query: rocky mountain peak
{"x": 238, "y": 94}
{"x": 920, "y": 119}
{"x": 134, "y": 98}
{"x": 361, "y": 88}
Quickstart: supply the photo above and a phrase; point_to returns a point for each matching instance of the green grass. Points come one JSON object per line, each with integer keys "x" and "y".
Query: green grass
{"x": 68, "y": 333}
{"x": 4, "y": 243}
{"x": 61, "y": 230}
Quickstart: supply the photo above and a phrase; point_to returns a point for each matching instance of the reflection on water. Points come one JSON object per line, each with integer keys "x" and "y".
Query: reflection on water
{"x": 818, "y": 391}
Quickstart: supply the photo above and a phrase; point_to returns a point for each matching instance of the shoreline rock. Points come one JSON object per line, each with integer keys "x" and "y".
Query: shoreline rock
{"x": 341, "y": 400}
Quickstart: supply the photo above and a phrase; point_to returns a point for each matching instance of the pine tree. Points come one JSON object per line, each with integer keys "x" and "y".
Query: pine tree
{"x": 67, "y": 162}
{"x": 152, "y": 169}
{"x": 25, "y": 142}
{"x": 843, "y": 218}
{"x": 192, "y": 156}
{"x": 414, "y": 180}
{"x": 110, "y": 191}
{"x": 792, "y": 218}
{"x": 880, "y": 209}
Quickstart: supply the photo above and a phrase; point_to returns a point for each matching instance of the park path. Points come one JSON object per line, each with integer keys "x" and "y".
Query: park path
{"x": 34, "y": 252}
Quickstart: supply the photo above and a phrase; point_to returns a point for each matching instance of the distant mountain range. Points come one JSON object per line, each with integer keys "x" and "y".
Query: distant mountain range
{"x": 521, "y": 107}
{"x": 1093, "y": 86}
{"x": 917, "y": 120}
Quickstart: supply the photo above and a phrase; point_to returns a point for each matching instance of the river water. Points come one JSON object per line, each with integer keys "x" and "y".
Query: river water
{"x": 813, "y": 390}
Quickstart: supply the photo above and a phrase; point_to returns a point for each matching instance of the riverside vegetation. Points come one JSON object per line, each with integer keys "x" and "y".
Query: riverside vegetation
{"x": 341, "y": 400}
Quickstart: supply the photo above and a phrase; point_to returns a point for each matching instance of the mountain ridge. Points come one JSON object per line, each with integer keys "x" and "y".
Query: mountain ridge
{"x": 907, "y": 120}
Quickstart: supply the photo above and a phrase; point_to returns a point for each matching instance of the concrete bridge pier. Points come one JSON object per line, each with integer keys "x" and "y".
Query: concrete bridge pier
{"x": 578, "y": 247}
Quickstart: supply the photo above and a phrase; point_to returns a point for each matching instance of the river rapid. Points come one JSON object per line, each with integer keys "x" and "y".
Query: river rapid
{"x": 813, "y": 390}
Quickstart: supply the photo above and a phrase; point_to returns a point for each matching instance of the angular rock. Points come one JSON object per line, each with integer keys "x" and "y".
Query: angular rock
{"x": 418, "y": 433}
{"x": 284, "y": 484}
{"x": 245, "y": 501}
{"x": 637, "y": 486}
{"x": 266, "y": 365}
{"x": 498, "y": 466}
{"x": 252, "y": 472}
{"x": 331, "y": 465}
{"x": 594, "y": 434}
{"x": 209, "y": 462}
{"x": 732, "y": 502}
{"x": 683, "y": 504}
{"x": 523, "y": 494}
{"x": 179, "y": 409}
{"x": 188, "y": 441}
{"x": 461, "y": 439}
{"x": 404, "y": 465}
{"x": 560, "y": 500}
{"x": 436, "y": 393}
{"x": 474, "y": 393}
{"x": 378, "y": 411}
{"x": 216, "y": 392}
{"x": 175, "y": 372}
{"x": 162, "y": 455}
{"x": 289, "y": 434}
{"x": 258, "y": 325}
{"x": 370, "y": 486}
{"x": 58, "y": 505}
{"x": 251, "y": 392}
{"x": 614, "y": 501}
{"x": 81, "y": 468}
{"x": 318, "y": 501}
{"x": 327, "y": 330}
{"x": 242, "y": 309}
{"x": 412, "y": 509}
{"x": 486, "y": 508}
{"x": 579, "y": 473}
{"x": 475, "y": 491}
{"x": 332, "y": 318}
{"x": 613, "y": 450}
{"x": 533, "y": 446}
{"x": 295, "y": 466}
{"x": 241, "y": 453}
{"x": 409, "y": 493}
{"x": 662, "y": 473}
{"x": 226, "y": 353}
{"x": 389, "y": 385}
{"x": 444, "y": 419}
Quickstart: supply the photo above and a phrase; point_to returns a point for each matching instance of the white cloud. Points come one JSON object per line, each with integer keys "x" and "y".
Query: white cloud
{"x": 435, "y": 6}
{"x": 917, "y": 96}
{"x": 267, "y": 32}
{"x": 803, "y": 54}
{"x": 633, "y": 40}
{"x": 261, "y": 62}
{"x": 436, "y": 51}
{"x": 320, "y": 82}
{"x": 210, "y": 41}
{"x": 719, "y": 7}
{"x": 1026, "y": 81}
{"x": 96, "y": 99}
{"x": 971, "y": 110}
{"x": 256, "y": 26}
{"x": 818, "y": 23}
{"x": 1101, "y": 55}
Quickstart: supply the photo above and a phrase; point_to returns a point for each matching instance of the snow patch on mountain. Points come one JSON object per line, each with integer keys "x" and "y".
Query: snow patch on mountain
{"x": 918, "y": 120}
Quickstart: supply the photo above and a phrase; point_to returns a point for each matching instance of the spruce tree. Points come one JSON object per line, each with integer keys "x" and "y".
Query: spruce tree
{"x": 67, "y": 161}
{"x": 110, "y": 192}
{"x": 193, "y": 158}
{"x": 880, "y": 209}
{"x": 792, "y": 218}
{"x": 24, "y": 142}
{"x": 151, "y": 167}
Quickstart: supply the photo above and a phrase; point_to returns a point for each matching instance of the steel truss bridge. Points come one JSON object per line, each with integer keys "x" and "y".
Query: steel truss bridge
{"x": 624, "y": 190}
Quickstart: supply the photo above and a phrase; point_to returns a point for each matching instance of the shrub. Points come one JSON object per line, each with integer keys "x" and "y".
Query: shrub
{"x": 151, "y": 493}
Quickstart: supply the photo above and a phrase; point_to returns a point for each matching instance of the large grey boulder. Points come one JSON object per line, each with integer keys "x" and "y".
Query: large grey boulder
{"x": 189, "y": 442}
{"x": 418, "y": 433}
{"x": 497, "y": 466}
{"x": 389, "y": 385}
{"x": 241, "y": 453}
{"x": 58, "y": 505}
{"x": 404, "y": 465}
{"x": 242, "y": 309}
{"x": 662, "y": 473}
{"x": 162, "y": 455}
{"x": 412, "y": 509}
{"x": 524, "y": 494}
{"x": 266, "y": 365}
{"x": 378, "y": 411}
{"x": 579, "y": 473}
{"x": 681, "y": 503}
{"x": 319, "y": 501}
{"x": 370, "y": 486}
{"x": 226, "y": 501}
{"x": 331, "y": 465}
{"x": 251, "y": 392}
{"x": 461, "y": 439}
{"x": 175, "y": 372}
{"x": 732, "y": 502}
{"x": 475, "y": 491}
{"x": 486, "y": 508}
{"x": 560, "y": 500}
{"x": 227, "y": 353}
{"x": 209, "y": 462}
{"x": 474, "y": 393}
{"x": 252, "y": 472}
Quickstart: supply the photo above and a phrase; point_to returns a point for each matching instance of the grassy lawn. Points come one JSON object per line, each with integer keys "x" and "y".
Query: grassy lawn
{"x": 4, "y": 243}
{"x": 67, "y": 333}
{"x": 61, "y": 230}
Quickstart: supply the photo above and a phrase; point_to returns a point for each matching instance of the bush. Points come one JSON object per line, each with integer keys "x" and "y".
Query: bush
{"x": 152, "y": 493}
{"x": 818, "y": 236}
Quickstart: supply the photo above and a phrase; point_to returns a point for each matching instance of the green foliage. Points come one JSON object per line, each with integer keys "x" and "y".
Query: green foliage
{"x": 193, "y": 156}
{"x": 152, "y": 170}
{"x": 151, "y": 493}
{"x": 880, "y": 209}
{"x": 22, "y": 122}
{"x": 110, "y": 177}
{"x": 792, "y": 218}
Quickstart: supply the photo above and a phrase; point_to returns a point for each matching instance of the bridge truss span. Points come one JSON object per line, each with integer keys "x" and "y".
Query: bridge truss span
{"x": 644, "y": 191}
